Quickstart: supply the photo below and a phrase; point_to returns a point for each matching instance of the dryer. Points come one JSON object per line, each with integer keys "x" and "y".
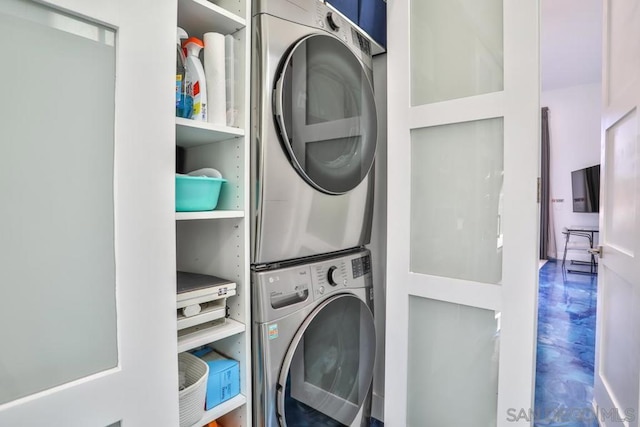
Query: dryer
{"x": 314, "y": 343}
{"x": 314, "y": 132}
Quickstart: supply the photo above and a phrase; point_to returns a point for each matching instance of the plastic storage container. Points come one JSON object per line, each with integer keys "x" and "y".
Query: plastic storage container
{"x": 197, "y": 193}
{"x": 224, "y": 377}
{"x": 192, "y": 397}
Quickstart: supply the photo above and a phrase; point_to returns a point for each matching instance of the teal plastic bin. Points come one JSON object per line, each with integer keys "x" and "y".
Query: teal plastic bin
{"x": 197, "y": 193}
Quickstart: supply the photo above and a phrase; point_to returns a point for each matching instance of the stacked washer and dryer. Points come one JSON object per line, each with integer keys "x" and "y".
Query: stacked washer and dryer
{"x": 314, "y": 133}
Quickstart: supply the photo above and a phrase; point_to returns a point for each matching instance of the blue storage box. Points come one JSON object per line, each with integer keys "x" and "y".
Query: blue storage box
{"x": 372, "y": 19}
{"x": 348, "y": 8}
{"x": 197, "y": 193}
{"x": 224, "y": 377}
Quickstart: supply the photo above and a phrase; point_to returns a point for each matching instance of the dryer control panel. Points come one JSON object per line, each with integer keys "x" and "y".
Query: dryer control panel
{"x": 337, "y": 24}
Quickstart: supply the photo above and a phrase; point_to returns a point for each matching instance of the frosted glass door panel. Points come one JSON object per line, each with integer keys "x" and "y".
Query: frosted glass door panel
{"x": 622, "y": 156}
{"x": 458, "y": 383}
{"x": 456, "y": 200}
{"x": 58, "y": 308}
{"x": 456, "y": 49}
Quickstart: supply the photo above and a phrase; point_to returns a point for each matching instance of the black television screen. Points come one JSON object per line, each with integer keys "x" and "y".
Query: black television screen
{"x": 585, "y": 184}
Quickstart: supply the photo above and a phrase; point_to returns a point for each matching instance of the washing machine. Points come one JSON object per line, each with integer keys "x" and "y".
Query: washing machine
{"x": 313, "y": 131}
{"x": 314, "y": 343}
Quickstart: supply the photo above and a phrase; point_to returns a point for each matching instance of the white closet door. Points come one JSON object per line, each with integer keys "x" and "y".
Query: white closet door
{"x": 86, "y": 218}
{"x": 617, "y": 362}
{"x": 464, "y": 114}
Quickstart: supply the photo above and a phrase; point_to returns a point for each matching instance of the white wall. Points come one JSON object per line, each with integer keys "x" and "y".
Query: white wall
{"x": 378, "y": 244}
{"x": 574, "y": 127}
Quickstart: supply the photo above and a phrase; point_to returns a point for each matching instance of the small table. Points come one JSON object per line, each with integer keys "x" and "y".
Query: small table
{"x": 588, "y": 232}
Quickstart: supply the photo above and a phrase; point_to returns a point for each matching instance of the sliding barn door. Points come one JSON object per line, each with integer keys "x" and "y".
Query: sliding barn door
{"x": 463, "y": 105}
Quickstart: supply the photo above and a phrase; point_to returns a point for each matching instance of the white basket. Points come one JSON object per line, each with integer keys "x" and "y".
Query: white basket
{"x": 192, "y": 398}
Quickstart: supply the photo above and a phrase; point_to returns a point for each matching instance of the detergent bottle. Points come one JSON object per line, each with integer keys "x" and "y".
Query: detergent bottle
{"x": 196, "y": 83}
{"x": 184, "y": 104}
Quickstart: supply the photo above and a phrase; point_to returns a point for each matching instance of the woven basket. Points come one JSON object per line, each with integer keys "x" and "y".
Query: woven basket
{"x": 192, "y": 398}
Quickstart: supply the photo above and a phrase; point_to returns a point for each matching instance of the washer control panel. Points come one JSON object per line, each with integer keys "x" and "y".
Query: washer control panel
{"x": 278, "y": 292}
{"x": 341, "y": 273}
{"x": 330, "y": 274}
{"x": 289, "y": 288}
{"x": 361, "y": 266}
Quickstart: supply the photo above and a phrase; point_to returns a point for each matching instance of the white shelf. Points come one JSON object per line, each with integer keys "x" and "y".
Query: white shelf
{"x": 188, "y": 216}
{"x": 200, "y": 16}
{"x": 221, "y": 409}
{"x": 209, "y": 335}
{"x": 191, "y": 133}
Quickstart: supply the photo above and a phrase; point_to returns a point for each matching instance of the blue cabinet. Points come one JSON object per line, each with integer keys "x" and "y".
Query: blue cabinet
{"x": 348, "y": 8}
{"x": 370, "y": 15}
{"x": 372, "y": 19}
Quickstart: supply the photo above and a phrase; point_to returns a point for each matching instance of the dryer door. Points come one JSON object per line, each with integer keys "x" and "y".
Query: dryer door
{"x": 328, "y": 367}
{"x": 326, "y": 115}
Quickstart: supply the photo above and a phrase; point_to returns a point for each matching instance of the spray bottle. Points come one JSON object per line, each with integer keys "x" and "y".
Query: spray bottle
{"x": 184, "y": 103}
{"x": 196, "y": 84}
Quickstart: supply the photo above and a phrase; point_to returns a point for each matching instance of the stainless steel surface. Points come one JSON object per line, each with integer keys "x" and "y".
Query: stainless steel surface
{"x": 278, "y": 330}
{"x": 319, "y": 17}
{"x": 271, "y": 286}
{"x": 289, "y": 218}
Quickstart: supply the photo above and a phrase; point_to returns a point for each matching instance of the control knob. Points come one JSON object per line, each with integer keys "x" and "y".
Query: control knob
{"x": 331, "y": 275}
{"x": 334, "y": 21}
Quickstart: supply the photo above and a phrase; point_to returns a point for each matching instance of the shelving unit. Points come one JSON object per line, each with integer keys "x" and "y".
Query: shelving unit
{"x": 217, "y": 242}
{"x": 208, "y": 334}
{"x": 202, "y": 16}
{"x": 222, "y": 409}
{"x": 217, "y": 214}
{"x": 191, "y": 133}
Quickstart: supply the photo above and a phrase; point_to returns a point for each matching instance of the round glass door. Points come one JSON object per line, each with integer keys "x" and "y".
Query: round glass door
{"x": 326, "y": 114}
{"x": 328, "y": 368}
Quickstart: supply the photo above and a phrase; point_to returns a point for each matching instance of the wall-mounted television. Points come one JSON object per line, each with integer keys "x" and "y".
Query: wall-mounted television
{"x": 585, "y": 184}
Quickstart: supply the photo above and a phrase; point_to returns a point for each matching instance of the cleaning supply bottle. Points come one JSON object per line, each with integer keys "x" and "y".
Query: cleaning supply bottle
{"x": 196, "y": 83}
{"x": 184, "y": 103}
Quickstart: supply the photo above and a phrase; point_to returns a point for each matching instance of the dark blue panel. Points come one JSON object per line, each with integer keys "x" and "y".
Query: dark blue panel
{"x": 349, "y": 8}
{"x": 373, "y": 19}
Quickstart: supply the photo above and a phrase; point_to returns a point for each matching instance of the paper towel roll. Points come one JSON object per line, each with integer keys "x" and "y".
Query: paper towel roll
{"x": 214, "y": 70}
{"x": 230, "y": 70}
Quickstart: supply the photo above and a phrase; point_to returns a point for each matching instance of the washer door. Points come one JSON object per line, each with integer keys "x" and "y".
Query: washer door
{"x": 326, "y": 114}
{"x": 328, "y": 368}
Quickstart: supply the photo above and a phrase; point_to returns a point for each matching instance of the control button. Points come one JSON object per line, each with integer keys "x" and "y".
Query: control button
{"x": 334, "y": 21}
{"x": 330, "y": 275}
{"x": 321, "y": 290}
